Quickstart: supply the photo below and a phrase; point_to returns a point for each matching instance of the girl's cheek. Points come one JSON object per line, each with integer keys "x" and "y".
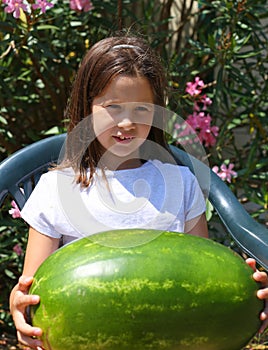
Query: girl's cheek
{"x": 102, "y": 122}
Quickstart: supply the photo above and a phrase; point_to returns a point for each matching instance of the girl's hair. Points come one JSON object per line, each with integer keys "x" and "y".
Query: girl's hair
{"x": 126, "y": 55}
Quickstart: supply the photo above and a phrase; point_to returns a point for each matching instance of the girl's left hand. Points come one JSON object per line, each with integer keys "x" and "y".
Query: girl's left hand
{"x": 262, "y": 278}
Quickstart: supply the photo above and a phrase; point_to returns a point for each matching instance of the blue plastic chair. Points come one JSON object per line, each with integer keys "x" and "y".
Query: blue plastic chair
{"x": 24, "y": 168}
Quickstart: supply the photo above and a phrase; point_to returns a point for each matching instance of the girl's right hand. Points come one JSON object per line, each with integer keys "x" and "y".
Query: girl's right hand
{"x": 19, "y": 300}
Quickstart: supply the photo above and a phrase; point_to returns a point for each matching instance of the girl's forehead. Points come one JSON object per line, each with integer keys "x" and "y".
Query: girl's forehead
{"x": 128, "y": 89}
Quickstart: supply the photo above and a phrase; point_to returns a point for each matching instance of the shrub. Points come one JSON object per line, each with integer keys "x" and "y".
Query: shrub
{"x": 216, "y": 53}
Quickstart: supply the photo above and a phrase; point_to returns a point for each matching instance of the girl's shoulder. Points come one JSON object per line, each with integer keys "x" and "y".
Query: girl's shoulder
{"x": 171, "y": 167}
{"x": 173, "y": 173}
{"x": 54, "y": 175}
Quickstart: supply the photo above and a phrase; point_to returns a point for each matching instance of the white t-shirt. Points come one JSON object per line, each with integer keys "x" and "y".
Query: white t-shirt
{"x": 156, "y": 195}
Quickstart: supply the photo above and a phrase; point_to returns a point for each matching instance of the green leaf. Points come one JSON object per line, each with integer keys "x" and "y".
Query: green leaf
{"x": 55, "y": 130}
{"x": 248, "y": 54}
{"x": 10, "y": 274}
{"x": 47, "y": 27}
{"x": 209, "y": 210}
{"x": 3, "y": 120}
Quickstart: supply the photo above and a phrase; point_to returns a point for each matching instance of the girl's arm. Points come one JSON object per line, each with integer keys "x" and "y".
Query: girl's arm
{"x": 197, "y": 226}
{"x": 39, "y": 247}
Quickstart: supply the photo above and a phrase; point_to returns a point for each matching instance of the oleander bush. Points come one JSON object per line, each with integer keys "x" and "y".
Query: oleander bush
{"x": 215, "y": 54}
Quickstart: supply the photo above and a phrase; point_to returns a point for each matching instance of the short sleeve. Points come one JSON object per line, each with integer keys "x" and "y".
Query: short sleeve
{"x": 40, "y": 209}
{"x": 195, "y": 203}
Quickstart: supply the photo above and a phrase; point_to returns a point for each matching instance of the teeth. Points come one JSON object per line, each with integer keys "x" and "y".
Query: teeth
{"x": 124, "y": 138}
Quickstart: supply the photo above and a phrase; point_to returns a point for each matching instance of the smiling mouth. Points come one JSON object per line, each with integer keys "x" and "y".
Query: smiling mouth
{"x": 123, "y": 139}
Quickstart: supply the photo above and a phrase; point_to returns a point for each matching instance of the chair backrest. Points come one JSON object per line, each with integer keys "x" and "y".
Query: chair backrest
{"x": 20, "y": 172}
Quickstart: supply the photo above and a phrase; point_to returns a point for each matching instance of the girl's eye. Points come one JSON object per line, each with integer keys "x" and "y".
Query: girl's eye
{"x": 114, "y": 107}
{"x": 143, "y": 109}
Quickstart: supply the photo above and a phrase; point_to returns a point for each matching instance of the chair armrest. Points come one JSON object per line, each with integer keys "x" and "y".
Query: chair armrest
{"x": 24, "y": 168}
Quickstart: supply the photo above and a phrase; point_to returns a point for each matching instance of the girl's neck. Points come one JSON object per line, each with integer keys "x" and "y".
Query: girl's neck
{"x": 135, "y": 163}
{"x": 110, "y": 162}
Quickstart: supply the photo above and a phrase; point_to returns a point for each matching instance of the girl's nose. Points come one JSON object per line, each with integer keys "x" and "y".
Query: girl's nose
{"x": 126, "y": 123}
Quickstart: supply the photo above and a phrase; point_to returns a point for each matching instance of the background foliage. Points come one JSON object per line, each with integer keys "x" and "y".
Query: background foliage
{"x": 224, "y": 42}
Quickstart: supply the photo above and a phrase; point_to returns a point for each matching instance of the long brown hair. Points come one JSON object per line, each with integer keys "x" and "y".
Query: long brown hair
{"x": 127, "y": 55}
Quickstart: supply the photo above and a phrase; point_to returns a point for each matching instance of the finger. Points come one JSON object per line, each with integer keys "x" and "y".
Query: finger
{"x": 262, "y": 293}
{"x": 22, "y": 300}
{"x": 260, "y": 276}
{"x": 251, "y": 263}
{"x": 24, "y": 327}
{"x": 30, "y": 342}
{"x": 24, "y": 283}
{"x": 264, "y": 318}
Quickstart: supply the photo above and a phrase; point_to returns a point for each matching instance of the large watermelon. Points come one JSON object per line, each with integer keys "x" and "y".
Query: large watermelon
{"x": 174, "y": 292}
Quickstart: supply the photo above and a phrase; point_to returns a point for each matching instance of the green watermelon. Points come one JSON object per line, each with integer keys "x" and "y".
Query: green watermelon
{"x": 145, "y": 289}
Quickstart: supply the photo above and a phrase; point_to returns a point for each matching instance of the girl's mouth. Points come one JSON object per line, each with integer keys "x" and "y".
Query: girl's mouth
{"x": 123, "y": 139}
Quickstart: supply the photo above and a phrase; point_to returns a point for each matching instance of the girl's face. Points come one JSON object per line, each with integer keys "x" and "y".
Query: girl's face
{"x": 122, "y": 119}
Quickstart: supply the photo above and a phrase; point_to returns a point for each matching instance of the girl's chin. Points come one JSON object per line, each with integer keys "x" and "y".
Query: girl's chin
{"x": 123, "y": 149}
{"x": 121, "y": 160}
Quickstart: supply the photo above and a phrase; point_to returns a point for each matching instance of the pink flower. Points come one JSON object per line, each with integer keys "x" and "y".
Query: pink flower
{"x": 184, "y": 134}
{"x": 206, "y": 101}
{"x": 201, "y": 123}
{"x": 225, "y": 172}
{"x": 194, "y": 88}
{"x": 17, "y": 249}
{"x": 208, "y": 135}
{"x": 43, "y": 5}
{"x": 81, "y": 5}
{"x": 202, "y": 102}
{"x": 14, "y": 212}
{"x": 15, "y": 6}
{"x": 208, "y": 138}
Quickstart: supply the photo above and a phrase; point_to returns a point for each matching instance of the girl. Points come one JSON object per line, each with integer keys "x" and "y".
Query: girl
{"x": 117, "y": 170}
